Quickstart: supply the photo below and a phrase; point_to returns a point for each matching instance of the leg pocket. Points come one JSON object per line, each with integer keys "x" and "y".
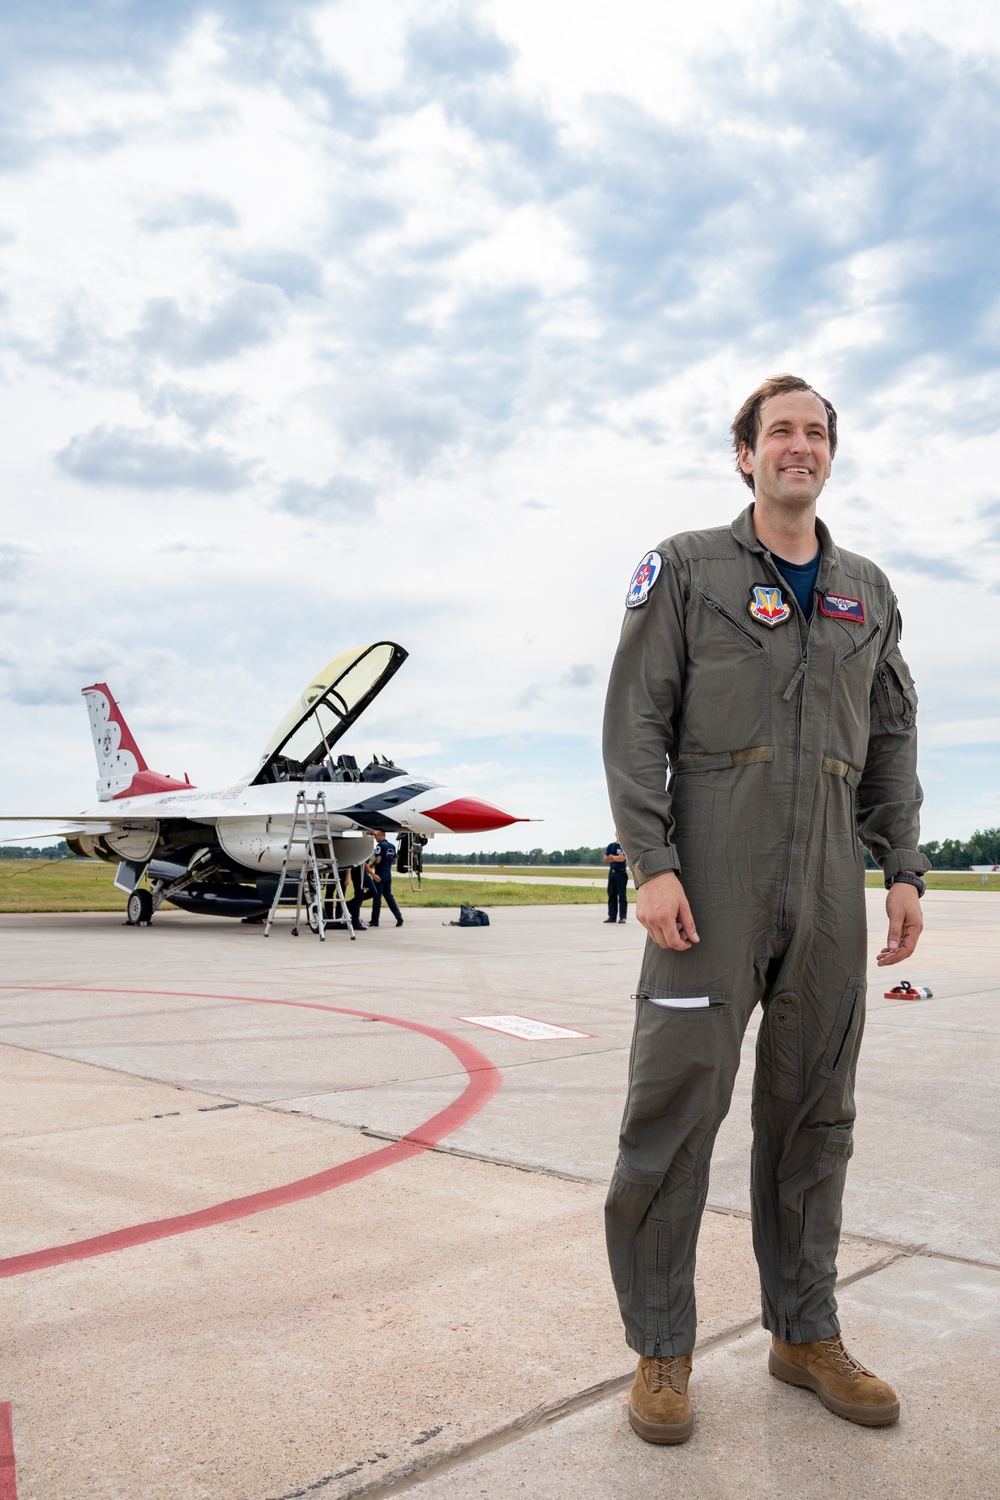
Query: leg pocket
{"x": 779, "y": 1048}
{"x": 845, "y": 1035}
{"x": 684, "y": 1061}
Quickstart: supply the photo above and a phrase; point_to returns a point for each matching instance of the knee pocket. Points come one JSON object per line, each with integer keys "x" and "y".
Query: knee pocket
{"x": 817, "y": 1153}
{"x": 630, "y": 1194}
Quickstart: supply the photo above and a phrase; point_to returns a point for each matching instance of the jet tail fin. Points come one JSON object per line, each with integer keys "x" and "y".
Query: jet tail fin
{"x": 118, "y": 756}
{"x": 121, "y": 769}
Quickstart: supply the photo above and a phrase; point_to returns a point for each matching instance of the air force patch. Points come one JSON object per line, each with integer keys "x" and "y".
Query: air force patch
{"x": 842, "y": 607}
{"x": 643, "y": 579}
{"x": 767, "y": 606}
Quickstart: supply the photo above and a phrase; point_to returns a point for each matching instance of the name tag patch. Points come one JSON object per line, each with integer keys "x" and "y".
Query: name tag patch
{"x": 643, "y": 579}
{"x": 842, "y": 607}
{"x": 767, "y": 606}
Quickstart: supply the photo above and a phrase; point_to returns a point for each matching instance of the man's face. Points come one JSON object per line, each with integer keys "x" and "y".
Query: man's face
{"x": 791, "y": 462}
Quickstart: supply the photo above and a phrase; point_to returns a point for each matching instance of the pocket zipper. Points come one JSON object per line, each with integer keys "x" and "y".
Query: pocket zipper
{"x": 864, "y": 644}
{"x": 747, "y": 634}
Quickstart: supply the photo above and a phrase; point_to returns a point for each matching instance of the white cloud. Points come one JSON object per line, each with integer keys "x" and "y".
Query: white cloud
{"x": 136, "y": 460}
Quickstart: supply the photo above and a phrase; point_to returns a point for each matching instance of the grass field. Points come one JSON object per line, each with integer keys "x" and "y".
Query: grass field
{"x": 86, "y": 885}
{"x": 574, "y": 872}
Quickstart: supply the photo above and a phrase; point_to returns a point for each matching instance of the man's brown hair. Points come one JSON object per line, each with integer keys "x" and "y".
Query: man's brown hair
{"x": 746, "y": 423}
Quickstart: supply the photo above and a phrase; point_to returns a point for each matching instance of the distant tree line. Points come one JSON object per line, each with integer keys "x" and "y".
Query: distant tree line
{"x": 28, "y": 851}
{"x": 981, "y": 848}
{"x": 581, "y": 856}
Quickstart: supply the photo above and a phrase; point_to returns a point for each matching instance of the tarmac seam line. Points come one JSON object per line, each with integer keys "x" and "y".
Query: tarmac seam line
{"x": 548, "y": 1414}
{"x": 491, "y": 1161}
{"x": 391, "y": 1083}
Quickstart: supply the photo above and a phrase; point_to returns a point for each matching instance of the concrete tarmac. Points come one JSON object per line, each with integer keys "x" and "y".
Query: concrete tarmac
{"x": 440, "y": 1320}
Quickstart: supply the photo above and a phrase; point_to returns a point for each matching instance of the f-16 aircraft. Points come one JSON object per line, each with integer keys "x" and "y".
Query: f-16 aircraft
{"x": 220, "y": 851}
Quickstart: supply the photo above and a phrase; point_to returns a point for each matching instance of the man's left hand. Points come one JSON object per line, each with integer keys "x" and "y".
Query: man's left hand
{"x": 906, "y": 922}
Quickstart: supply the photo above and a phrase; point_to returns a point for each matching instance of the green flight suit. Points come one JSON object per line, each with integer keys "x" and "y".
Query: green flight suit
{"x": 786, "y": 740}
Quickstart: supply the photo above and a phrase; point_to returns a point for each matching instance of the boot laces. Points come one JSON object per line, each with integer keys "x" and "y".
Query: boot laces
{"x": 667, "y": 1373}
{"x": 841, "y": 1359}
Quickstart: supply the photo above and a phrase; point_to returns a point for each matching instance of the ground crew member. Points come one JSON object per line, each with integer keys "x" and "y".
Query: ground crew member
{"x": 382, "y": 861}
{"x": 363, "y": 889}
{"x": 762, "y": 664}
{"x": 614, "y": 858}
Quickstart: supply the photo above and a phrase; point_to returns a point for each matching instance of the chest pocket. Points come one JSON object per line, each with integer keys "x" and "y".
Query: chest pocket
{"x": 850, "y": 700}
{"x": 727, "y": 698}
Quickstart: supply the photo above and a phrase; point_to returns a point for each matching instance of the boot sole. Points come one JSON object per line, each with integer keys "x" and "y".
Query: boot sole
{"x": 865, "y": 1416}
{"x": 660, "y": 1432}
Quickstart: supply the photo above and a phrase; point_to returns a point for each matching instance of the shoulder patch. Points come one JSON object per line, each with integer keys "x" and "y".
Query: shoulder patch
{"x": 842, "y": 607}
{"x": 767, "y": 606}
{"x": 643, "y": 579}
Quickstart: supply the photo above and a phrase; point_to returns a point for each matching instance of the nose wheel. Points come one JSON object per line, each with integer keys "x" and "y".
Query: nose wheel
{"x": 139, "y": 910}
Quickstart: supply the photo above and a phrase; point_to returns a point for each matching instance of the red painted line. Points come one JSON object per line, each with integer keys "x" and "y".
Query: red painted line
{"x": 484, "y": 1080}
{"x": 8, "y": 1473}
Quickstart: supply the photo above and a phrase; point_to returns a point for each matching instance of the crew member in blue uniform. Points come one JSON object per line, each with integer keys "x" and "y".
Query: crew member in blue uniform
{"x": 383, "y": 858}
{"x": 615, "y": 859}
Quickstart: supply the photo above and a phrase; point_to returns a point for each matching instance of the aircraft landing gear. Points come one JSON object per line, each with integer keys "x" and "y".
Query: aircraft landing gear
{"x": 139, "y": 910}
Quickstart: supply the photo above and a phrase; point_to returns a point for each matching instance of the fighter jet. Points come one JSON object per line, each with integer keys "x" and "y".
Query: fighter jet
{"x": 220, "y": 851}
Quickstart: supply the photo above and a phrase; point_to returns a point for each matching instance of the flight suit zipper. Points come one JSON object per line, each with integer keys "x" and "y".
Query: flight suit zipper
{"x": 796, "y": 684}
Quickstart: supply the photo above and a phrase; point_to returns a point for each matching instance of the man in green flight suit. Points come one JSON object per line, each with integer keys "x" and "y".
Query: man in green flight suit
{"x": 761, "y": 663}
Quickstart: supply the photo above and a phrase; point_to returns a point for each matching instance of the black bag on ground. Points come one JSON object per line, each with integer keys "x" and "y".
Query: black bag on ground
{"x": 471, "y": 916}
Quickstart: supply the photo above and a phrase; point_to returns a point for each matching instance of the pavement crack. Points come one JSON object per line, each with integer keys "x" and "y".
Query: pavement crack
{"x": 549, "y": 1413}
{"x": 490, "y": 1161}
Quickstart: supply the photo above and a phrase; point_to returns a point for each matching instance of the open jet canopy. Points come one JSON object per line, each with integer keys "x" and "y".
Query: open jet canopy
{"x": 334, "y": 700}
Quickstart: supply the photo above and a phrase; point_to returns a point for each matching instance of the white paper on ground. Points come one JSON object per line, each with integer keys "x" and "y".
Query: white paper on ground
{"x": 523, "y": 1027}
{"x": 695, "y": 1003}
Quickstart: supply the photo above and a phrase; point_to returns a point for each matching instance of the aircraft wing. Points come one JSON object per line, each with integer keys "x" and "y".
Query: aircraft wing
{"x": 74, "y": 824}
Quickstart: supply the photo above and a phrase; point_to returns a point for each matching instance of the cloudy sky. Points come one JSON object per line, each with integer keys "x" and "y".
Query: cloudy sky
{"x": 326, "y": 323}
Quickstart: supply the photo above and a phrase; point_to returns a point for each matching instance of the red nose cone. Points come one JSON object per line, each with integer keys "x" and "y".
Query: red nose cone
{"x": 469, "y": 815}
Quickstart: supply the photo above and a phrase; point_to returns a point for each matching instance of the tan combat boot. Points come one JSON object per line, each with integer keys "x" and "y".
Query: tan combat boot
{"x": 660, "y": 1407}
{"x": 842, "y": 1384}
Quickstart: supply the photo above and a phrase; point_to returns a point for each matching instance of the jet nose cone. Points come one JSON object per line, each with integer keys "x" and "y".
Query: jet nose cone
{"x": 470, "y": 815}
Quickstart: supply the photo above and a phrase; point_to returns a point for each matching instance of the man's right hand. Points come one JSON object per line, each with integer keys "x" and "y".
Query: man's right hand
{"x": 662, "y": 908}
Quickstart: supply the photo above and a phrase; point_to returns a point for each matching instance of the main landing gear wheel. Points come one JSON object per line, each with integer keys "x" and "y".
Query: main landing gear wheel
{"x": 139, "y": 909}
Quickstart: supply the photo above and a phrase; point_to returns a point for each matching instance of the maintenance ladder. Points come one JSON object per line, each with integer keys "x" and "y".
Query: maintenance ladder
{"x": 318, "y": 866}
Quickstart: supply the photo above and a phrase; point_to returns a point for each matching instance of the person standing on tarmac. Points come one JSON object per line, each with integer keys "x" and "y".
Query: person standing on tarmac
{"x": 761, "y": 662}
{"x": 363, "y": 889}
{"x": 614, "y": 858}
{"x": 382, "y": 861}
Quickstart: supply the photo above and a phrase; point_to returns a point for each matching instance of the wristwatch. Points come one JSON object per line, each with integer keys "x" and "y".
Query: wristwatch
{"x": 907, "y": 877}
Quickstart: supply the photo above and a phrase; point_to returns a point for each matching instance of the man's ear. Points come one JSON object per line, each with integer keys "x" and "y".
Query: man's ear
{"x": 746, "y": 459}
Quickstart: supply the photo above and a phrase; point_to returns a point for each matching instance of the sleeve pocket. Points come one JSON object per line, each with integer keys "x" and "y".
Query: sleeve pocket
{"x": 895, "y": 695}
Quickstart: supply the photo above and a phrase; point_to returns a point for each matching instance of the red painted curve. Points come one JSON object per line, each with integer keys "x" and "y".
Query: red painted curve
{"x": 8, "y": 1471}
{"x": 484, "y": 1080}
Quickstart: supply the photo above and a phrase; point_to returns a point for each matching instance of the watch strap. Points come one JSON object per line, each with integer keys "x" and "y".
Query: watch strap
{"x": 906, "y": 877}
